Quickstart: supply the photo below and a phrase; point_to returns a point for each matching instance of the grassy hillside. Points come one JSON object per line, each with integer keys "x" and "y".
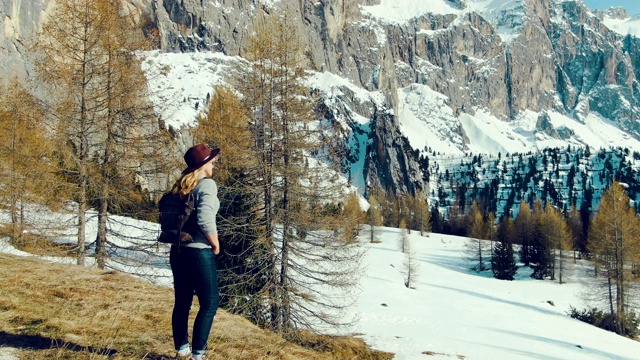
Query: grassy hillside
{"x": 56, "y": 311}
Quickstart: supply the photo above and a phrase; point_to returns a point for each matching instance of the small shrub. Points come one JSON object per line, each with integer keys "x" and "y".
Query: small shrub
{"x": 607, "y": 321}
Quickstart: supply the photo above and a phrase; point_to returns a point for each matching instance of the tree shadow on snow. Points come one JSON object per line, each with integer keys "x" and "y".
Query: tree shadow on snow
{"x": 497, "y": 299}
{"x": 588, "y": 351}
{"x": 455, "y": 263}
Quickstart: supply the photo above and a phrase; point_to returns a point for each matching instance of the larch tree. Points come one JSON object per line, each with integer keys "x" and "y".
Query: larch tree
{"x": 541, "y": 251}
{"x": 420, "y": 213}
{"x": 241, "y": 263}
{"x": 614, "y": 241}
{"x": 69, "y": 58}
{"x": 403, "y": 236}
{"x": 27, "y": 158}
{"x": 85, "y": 56}
{"x": 524, "y": 230}
{"x": 556, "y": 231}
{"x": 406, "y": 209}
{"x": 574, "y": 222}
{"x": 397, "y": 211}
{"x": 296, "y": 184}
{"x": 351, "y": 212}
{"x": 390, "y": 208}
{"x": 475, "y": 247}
{"x": 374, "y": 216}
{"x": 131, "y": 140}
{"x": 410, "y": 265}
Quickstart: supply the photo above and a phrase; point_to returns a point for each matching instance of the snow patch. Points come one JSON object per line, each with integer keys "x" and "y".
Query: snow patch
{"x": 629, "y": 26}
{"x": 178, "y": 83}
{"x": 330, "y": 84}
{"x": 402, "y": 11}
{"x": 427, "y": 121}
{"x": 506, "y": 16}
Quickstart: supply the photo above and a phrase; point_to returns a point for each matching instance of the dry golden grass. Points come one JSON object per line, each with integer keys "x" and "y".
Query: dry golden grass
{"x": 56, "y": 311}
{"x": 37, "y": 244}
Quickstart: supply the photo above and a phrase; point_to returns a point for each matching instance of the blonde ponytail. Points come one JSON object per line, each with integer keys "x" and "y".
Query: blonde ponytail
{"x": 187, "y": 182}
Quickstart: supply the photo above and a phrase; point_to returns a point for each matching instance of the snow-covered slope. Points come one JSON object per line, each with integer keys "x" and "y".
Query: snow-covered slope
{"x": 506, "y": 15}
{"x": 402, "y": 11}
{"x": 455, "y": 313}
{"x": 428, "y": 122}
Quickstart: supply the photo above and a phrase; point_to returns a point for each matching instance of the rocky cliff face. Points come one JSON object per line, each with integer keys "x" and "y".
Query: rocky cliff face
{"x": 503, "y": 58}
{"x": 533, "y": 55}
{"x": 597, "y": 69}
{"x": 19, "y": 20}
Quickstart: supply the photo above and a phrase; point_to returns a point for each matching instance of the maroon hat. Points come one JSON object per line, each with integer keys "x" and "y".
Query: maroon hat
{"x": 197, "y": 156}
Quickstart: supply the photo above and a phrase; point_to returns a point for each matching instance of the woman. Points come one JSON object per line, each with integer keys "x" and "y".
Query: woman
{"x": 193, "y": 264}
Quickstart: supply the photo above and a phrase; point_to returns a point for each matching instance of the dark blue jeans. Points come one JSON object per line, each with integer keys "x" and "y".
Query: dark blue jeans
{"x": 194, "y": 270}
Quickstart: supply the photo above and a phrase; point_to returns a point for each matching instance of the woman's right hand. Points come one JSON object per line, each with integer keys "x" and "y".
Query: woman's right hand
{"x": 215, "y": 244}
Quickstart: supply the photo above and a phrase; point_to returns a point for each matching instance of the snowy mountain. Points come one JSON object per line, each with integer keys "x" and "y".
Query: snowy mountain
{"x": 401, "y": 77}
{"x": 453, "y": 77}
{"x": 621, "y": 23}
{"x": 631, "y": 6}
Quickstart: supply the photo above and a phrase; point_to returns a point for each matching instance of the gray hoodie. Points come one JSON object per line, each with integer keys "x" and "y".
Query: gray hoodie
{"x": 207, "y": 206}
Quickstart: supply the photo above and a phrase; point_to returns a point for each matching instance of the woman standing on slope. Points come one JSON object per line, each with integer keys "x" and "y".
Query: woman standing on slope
{"x": 193, "y": 264}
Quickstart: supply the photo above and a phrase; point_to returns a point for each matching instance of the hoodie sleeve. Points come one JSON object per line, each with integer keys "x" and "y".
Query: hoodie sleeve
{"x": 207, "y": 205}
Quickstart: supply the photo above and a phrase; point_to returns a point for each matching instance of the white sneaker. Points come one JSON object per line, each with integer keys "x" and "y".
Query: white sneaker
{"x": 183, "y": 353}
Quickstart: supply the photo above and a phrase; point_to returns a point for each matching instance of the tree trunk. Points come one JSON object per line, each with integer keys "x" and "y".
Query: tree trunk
{"x": 101, "y": 237}
{"x": 82, "y": 221}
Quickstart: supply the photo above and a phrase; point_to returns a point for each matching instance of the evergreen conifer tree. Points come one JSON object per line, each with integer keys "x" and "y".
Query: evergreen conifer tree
{"x": 540, "y": 251}
{"x": 503, "y": 264}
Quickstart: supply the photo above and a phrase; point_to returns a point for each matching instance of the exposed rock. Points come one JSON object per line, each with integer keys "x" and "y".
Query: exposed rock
{"x": 544, "y": 125}
{"x": 614, "y": 12}
{"x": 19, "y": 21}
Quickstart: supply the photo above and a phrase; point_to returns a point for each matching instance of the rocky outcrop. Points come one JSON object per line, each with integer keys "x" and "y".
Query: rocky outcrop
{"x": 593, "y": 69}
{"x": 392, "y": 164}
{"x": 19, "y": 21}
{"x": 613, "y": 12}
